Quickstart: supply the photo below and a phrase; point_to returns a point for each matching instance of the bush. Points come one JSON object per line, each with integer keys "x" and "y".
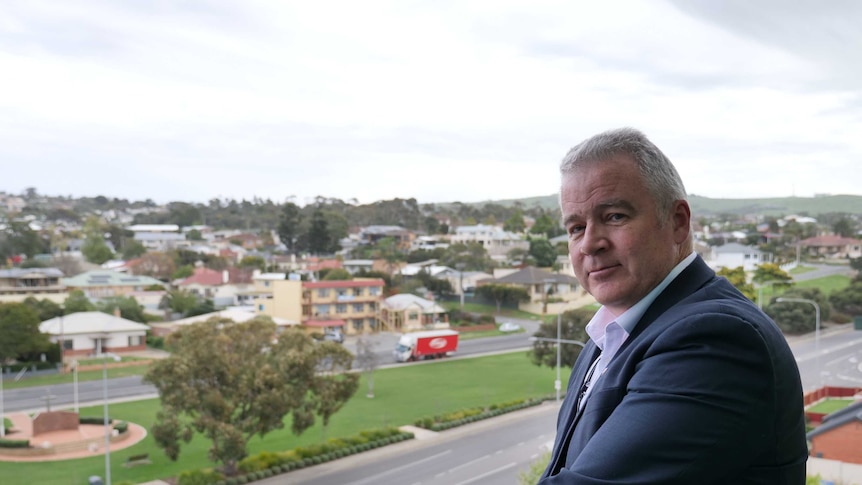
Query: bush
{"x": 121, "y": 426}
{"x": 199, "y": 477}
{"x": 4, "y": 443}
{"x": 94, "y": 420}
{"x": 839, "y": 317}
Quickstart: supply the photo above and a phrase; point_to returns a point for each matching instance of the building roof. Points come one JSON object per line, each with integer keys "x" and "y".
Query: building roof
{"x": 405, "y": 300}
{"x": 35, "y": 272}
{"x": 238, "y": 315}
{"x": 89, "y": 323}
{"x": 356, "y": 283}
{"x": 154, "y": 228}
{"x": 210, "y": 277}
{"x": 104, "y": 277}
{"x": 830, "y": 241}
{"x": 837, "y": 419}
{"x": 532, "y": 275}
{"x": 159, "y": 236}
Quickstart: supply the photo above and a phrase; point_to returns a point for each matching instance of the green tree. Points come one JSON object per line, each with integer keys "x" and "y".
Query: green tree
{"x": 183, "y": 272}
{"x": 18, "y": 238}
{"x": 572, "y": 327}
{"x": 128, "y": 306}
{"x": 515, "y": 222}
{"x": 772, "y": 274}
{"x": 319, "y": 238}
{"x": 45, "y": 308}
{"x": 179, "y": 301}
{"x": 337, "y": 274}
{"x": 473, "y": 256}
{"x": 289, "y": 226}
{"x": 543, "y": 252}
{"x": 254, "y": 262}
{"x": 77, "y": 301}
{"x": 133, "y": 249}
{"x": 547, "y": 226}
{"x": 229, "y": 382}
{"x": 194, "y": 235}
{"x": 503, "y": 294}
{"x": 799, "y": 317}
{"x": 19, "y": 332}
{"x": 848, "y": 300}
{"x": 844, "y": 227}
{"x": 737, "y": 278}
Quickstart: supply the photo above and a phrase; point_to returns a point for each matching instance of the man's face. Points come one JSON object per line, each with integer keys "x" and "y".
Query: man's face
{"x": 620, "y": 249}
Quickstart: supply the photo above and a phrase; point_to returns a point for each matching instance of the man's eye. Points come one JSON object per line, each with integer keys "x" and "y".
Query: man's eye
{"x": 574, "y": 230}
{"x": 616, "y": 217}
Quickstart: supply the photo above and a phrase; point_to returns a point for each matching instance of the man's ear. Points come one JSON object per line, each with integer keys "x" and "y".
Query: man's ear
{"x": 681, "y": 220}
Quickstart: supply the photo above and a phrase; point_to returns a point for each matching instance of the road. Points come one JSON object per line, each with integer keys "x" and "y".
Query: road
{"x": 839, "y": 358}
{"x": 489, "y": 452}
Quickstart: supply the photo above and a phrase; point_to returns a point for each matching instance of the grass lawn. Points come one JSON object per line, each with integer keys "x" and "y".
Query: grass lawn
{"x": 830, "y": 405}
{"x": 67, "y": 378}
{"x": 801, "y": 269}
{"x": 489, "y": 310}
{"x": 827, "y": 284}
{"x": 402, "y": 395}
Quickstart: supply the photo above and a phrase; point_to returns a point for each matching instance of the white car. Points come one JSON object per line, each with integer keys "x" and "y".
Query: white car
{"x": 509, "y": 327}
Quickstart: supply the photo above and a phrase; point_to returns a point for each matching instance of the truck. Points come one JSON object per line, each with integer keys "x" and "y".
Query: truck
{"x": 429, "y": 344}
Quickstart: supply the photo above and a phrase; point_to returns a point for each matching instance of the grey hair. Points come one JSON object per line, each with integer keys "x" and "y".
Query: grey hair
{"x": 660, "y": 176}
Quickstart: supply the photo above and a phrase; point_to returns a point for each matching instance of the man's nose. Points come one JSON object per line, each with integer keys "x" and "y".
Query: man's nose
{"x": 594, "y": 240}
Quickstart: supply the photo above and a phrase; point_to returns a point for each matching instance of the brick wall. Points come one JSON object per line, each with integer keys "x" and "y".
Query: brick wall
{"x": 840, "y": 444}
{"x": 54, "y": 421}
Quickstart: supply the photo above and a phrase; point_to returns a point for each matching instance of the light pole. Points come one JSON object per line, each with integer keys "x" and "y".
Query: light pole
{"x": 75, "y": 382}
{"x": 2, "y": 407}
{"x": 460, "y": 268}
{"x": 105, "y": 358}
{"x": 816, "y": 329}
{"x": 559, "y": 341}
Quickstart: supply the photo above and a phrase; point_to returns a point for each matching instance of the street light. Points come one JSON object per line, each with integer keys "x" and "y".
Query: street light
{"x": 75, "y": 382}
{"x": 558, "y": 383}
{"x": 2, "y": 409}
{"x": 105, "y": 356}
{"x": 816, "y": 328}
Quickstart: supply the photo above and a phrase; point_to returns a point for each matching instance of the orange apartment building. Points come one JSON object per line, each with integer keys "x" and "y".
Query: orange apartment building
{"x": 350, "y": 306}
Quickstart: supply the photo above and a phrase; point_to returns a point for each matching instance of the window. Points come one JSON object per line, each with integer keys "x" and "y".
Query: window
{"x": 266, "y": 284}
{"x": 341, "y": 308}
{"x": 413, "y": 316}
{"x": 374, "y": 290}
{"x": 261, "y": 307}
{"x": 322, "y": 310}
{"x": 372, "y": 323}
{"x": 134, "y": 340}
{"x": 372, "y": 307}
{"x": 341, "y": 292}
{"x": 357, "y": 292}
{"x": 323, "y": 292}
{"x": 358, "y": 307}
{"x": 357, "y": 324}
{"x": 68, "y": 344}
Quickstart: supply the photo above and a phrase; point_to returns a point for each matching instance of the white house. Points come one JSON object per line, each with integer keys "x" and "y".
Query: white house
{"x": 495, "y": 240}
{"x": 406, "y": 312}
{"x": 93, "y": 333}
{"x": 237, "y": 314}
{"x": 733, "y": 255}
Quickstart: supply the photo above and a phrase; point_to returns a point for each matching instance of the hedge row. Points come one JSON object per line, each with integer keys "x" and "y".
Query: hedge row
{"x": 4, "y": 443}
{"x": 94, "y": 420}
{"x": 268, "y": 464}
{"x": 470, "y": 415}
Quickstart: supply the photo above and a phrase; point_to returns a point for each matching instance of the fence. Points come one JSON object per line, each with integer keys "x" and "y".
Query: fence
{"x": 835, "y": 472}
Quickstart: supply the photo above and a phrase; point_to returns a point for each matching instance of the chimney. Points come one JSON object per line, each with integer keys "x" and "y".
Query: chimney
{"x": 117, "y": 312}
{"x": 225, "y": 277}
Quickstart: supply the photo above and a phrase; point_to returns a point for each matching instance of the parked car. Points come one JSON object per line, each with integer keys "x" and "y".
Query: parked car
{"x": 509, "y": 327}
{"x": 334, "y": 337}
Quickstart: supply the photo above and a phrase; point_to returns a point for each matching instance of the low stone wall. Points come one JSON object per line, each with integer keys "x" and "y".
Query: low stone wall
{"x": 54, "y": 421}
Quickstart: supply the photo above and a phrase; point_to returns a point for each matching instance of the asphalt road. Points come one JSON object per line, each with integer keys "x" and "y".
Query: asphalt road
{"x": 489, "y": 452}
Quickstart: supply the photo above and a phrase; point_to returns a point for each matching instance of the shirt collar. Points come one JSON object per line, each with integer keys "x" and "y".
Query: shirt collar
{"x": 627, "y": 320}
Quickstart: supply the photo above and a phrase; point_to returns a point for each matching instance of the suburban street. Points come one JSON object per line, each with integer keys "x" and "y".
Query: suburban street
{"x": 489, "y": 452}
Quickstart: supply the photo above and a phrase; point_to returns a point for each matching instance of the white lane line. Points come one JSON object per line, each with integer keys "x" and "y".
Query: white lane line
{"x": 477, "y": 460}
{"x": 375, "y": 478}
{"x": 486, "y": 474}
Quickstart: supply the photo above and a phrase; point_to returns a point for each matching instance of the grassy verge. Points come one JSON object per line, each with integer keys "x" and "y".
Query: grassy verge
{"x": 484, "y": 333}
{"x": 827, "y": 284}
{"x": 489, "y": 310}
{"x": 402, "y": 395}
{"x": 67, "y": 378}
{"x": 830, "y": 405}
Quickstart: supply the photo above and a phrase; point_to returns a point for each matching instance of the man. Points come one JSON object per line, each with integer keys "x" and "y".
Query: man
{"x": 684, "y": 380}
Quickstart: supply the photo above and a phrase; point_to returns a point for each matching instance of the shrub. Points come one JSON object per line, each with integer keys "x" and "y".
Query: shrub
{"x": 121, "y": 426}
{"x": 94, "y": 420}
{"x": 14, "y": 443}
{"x": 199, "y": 477}
{"x": 839, "y": 317}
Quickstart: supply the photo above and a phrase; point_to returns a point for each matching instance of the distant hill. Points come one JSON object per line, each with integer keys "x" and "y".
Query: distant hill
{"x": 705, "y": 206}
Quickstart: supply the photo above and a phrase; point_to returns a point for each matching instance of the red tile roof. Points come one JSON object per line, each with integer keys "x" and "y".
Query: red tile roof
{"x": 210, "y": 277}
{"x": 830, "y": 241}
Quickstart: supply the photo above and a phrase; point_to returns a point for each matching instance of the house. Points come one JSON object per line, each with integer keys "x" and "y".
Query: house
{"x": 463, "y": 281}
{"x": 839, "y": 436}
{"x": 549, "y": 292}
{"x": 495, "y": 240}
{"x": 160, "y": 241}
{"x": 17, "y": 284}
{"x": 225, "y": 288}
{"x": 406, "y": 313}
{"x": 733, "y": 255}
{"x": 373, "y": 234}
{"x": 832, "y": 246}
{"x": 94, "y": 333}
{"x": 352, "y": 306}
{"x": 106, "y": 284}
{"x": 237, "y": 314}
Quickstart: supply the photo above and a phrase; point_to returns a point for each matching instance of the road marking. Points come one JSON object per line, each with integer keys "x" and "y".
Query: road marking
{"x": 486, "y": 474}
{"x": 468, "y": 463}
{"x": 375, "y": 478}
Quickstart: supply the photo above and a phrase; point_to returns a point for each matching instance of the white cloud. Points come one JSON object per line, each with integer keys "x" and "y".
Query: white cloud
{"x": 440, "y": 101}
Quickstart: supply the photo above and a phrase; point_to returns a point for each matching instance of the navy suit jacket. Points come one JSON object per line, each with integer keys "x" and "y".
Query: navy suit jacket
{"x": 704, "y": 391}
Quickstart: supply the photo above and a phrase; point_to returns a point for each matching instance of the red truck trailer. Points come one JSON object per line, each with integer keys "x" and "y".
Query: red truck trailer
{"x": 429, "y": 344}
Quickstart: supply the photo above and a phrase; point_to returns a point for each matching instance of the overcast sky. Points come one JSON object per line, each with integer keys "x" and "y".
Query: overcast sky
{"x": 437, "y": 100}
